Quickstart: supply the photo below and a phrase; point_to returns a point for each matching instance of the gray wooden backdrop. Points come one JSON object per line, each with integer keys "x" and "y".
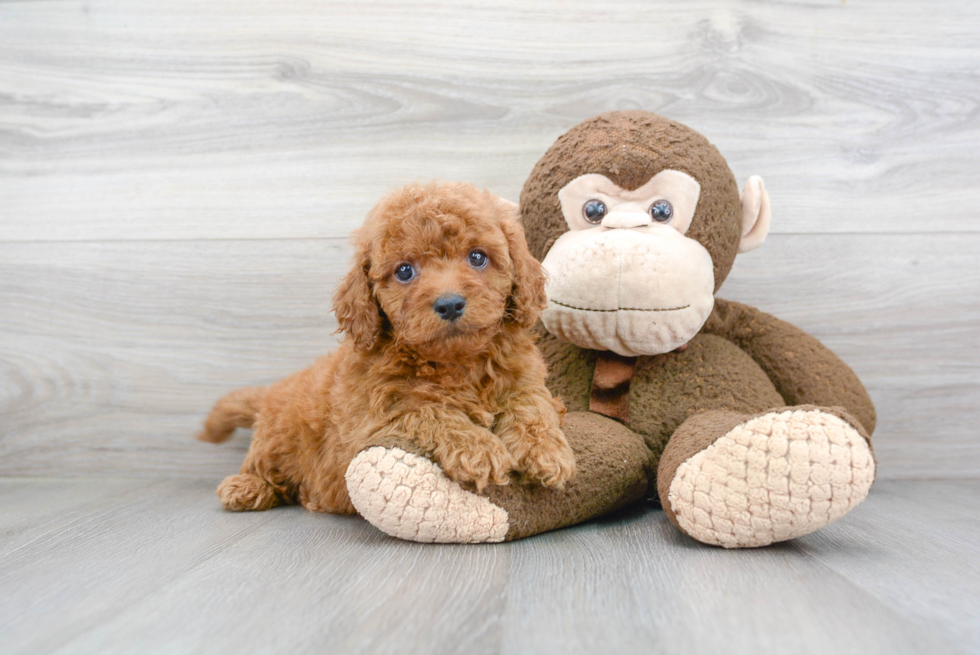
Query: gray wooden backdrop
{"x": 177, "y": 180}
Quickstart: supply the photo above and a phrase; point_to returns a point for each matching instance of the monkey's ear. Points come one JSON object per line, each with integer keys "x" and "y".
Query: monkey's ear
{"x": 527, "y": 296}
{"x": 755, "y": 214}
{"x": 357, "y": 310}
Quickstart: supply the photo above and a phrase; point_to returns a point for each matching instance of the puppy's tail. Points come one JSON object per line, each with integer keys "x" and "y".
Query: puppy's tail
{"x": 237, "y": 409}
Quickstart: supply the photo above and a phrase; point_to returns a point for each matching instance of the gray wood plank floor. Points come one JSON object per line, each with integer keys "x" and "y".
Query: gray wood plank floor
{"x": 154, "y": 566}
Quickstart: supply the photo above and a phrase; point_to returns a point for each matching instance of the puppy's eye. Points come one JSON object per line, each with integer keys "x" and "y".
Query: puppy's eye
{"x": 594, "y": 211}
{"x": 661, "y": 211}
{"x": 405, "y": 272}
{"x": 478, "y": 259}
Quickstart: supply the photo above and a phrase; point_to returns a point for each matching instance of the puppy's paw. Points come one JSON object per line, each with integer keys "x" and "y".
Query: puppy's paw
{"x": 549, "y": 460}
{"x": 246, "y": 493}
{"x": 477, "y": 458}
{"x": 542, "y": 451}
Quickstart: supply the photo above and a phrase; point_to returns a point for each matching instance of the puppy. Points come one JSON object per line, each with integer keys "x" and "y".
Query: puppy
{"x": 436, "y": 311}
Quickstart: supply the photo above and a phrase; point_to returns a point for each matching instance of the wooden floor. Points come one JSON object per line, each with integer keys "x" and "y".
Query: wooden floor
{"x": 154, "y": 566}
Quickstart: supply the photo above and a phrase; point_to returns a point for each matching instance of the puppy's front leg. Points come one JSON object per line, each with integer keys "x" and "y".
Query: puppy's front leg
{"x": 530, "y": 427}
{"x": 466, "y": 452}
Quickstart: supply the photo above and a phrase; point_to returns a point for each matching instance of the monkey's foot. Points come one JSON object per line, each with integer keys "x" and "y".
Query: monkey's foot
{"x": 771, "y": 478}
{"x": 408, "y": 496}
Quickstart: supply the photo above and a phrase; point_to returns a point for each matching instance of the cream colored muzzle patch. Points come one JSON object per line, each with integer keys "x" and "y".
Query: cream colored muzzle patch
{"x": 772, "y": 478}
{"x": 643, "y": 291}
{"x": 409, "y": 497}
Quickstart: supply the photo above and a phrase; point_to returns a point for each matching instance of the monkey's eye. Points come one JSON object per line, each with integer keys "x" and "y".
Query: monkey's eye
{"x": 478, "y": 259}
{"x": 594, "y": 211}
{"x": 661, "y": 211}
{"x": 405, "y": 272}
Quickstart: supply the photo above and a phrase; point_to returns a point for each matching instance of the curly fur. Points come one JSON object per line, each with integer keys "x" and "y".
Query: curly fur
{"x": 470, "y": 393}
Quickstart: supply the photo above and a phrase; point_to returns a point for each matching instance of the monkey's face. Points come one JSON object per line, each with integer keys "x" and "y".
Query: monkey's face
{"x": 649, "y": 225}
{"x": 625, "y": 277}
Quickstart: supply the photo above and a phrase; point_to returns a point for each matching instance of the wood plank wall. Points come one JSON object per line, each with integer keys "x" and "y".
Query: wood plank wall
{"x": 177, "y": 180}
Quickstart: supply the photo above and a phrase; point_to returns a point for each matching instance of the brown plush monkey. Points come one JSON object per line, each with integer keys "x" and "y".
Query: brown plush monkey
{"x": 747, "y": 429}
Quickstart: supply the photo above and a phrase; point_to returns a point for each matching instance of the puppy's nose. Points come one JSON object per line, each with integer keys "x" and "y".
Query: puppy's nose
{"x": 449, "y": 307}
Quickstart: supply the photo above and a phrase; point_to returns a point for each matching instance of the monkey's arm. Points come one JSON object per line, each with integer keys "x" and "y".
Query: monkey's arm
{"x": 804, "y": 371}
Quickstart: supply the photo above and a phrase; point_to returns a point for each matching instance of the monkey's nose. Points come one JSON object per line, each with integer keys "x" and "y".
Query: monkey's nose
{"x": 626, "y": 219}
{"x": 449, "y": 307}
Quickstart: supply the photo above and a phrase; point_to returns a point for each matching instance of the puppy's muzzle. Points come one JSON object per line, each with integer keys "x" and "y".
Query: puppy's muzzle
{"x": 449, "y": 307}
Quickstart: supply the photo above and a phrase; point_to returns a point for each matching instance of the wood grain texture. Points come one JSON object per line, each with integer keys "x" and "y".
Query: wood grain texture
{"x": 938, "y": 561}
{"x": 114, "y": 352}
{"x": 177, "y": 180}
{"x": 183, "y": 119}
{"x": 161, "y": 569}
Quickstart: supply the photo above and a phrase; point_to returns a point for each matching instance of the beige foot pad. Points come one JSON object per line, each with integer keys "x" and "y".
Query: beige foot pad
{"x": 409, "y": 497}
{"x": 772, "y": 478}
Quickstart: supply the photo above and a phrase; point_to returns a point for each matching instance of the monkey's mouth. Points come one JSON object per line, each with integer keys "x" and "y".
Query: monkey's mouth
{"x": 620, "y": 309}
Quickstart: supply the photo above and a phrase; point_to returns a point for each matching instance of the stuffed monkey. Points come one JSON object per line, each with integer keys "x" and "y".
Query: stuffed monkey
{"x": 748, "y": 430}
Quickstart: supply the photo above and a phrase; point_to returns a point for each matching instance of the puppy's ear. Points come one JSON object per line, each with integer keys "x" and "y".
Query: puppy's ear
{"x": 527, "y": 297}
{"x": 357, "y": 310}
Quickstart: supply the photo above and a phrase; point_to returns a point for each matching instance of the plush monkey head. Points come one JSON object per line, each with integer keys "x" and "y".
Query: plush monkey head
{"x": 637, "y": 221}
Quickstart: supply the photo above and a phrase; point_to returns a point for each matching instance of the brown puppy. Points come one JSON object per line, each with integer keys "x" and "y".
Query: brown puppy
{"x": 436, "y": 312}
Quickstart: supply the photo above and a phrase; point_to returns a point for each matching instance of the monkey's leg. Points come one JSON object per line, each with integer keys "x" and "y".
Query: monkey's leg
{"x": 405, "y": 494}
{"x": 741, "y": 481}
